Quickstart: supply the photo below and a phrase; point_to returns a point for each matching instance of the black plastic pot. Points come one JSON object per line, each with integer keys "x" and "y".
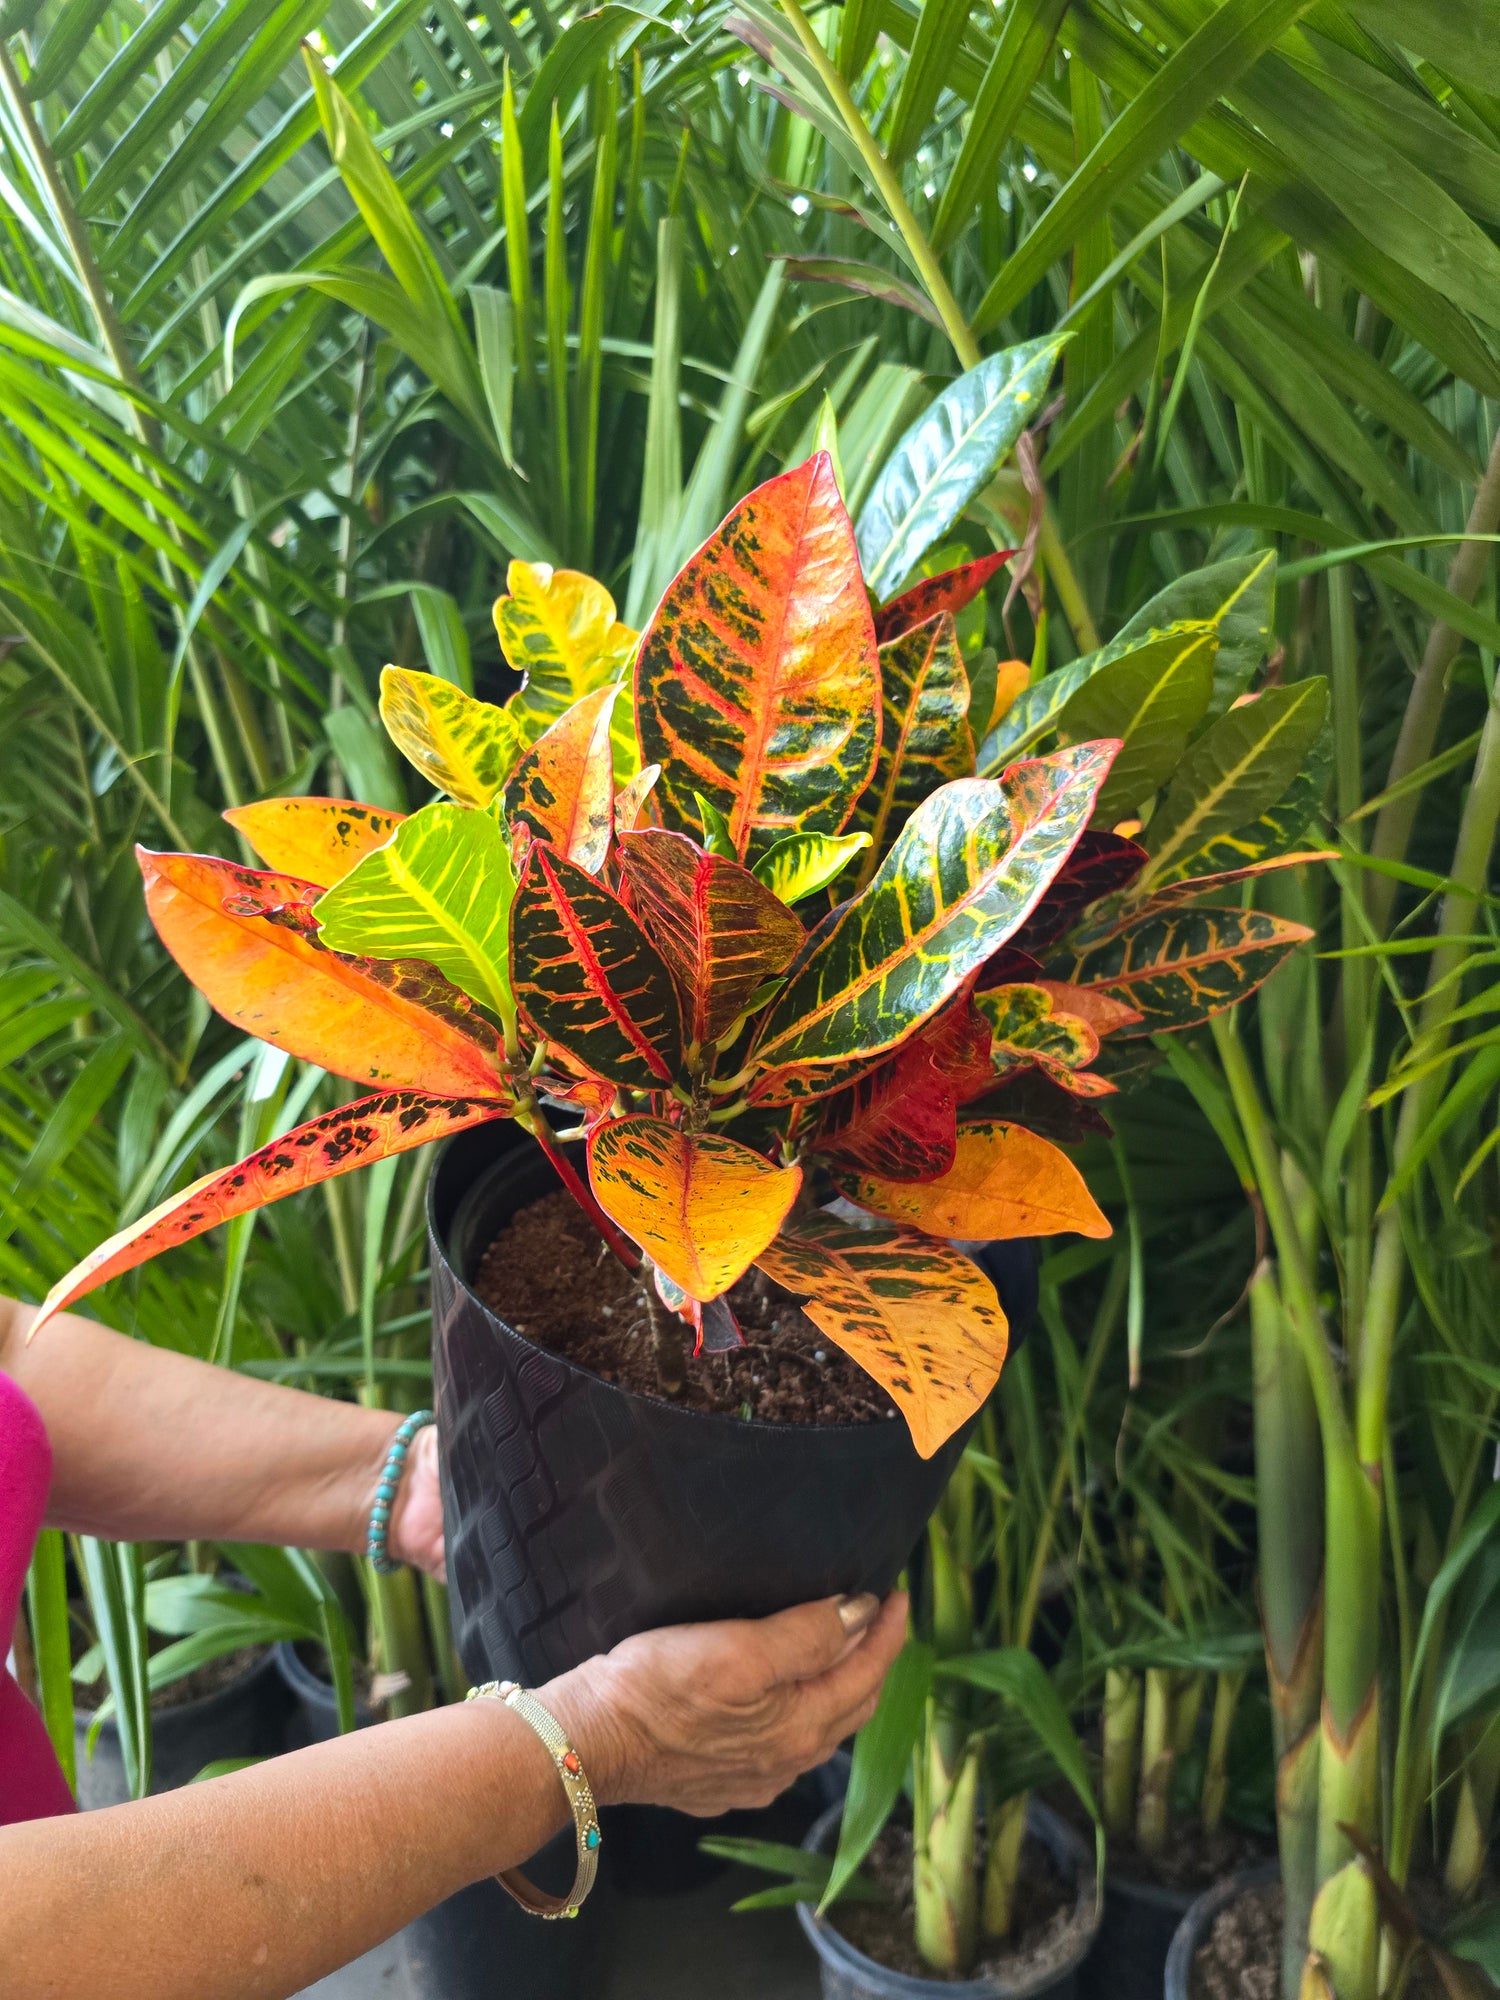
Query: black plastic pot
{"x": 315, "y": 1708}
{"x": 248, "y": 1718}
{"x": 848, "y": 1975}
{"x": 1140, "y": 1921}
{"x": 1198, "y": 1919}
{"x": 577, "y": 1513}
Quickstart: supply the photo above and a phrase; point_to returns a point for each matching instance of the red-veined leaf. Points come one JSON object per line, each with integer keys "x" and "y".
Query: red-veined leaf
{"x": 924, "y": 732}
{"x": 372, "y": 1128}
{"x": 701, "y": 1206}
{"x": 1004, "y": 1181}
{"x": 756, "y": 684}
{"x": 900, "y": 1119}
{"x": 1179, "y": 967}
{"x": 589, "y": 977}
{"x": 1100, "y": 864}
{"x": 918, "y": 1316}
{"x": 720, "y": 931}
{"x": 967, "y": 869}
{"x": 949, "y": 592}
{"x": 248, "y": 941}
{"x": 564, "y": 787}
{"x": 317, "y": 840}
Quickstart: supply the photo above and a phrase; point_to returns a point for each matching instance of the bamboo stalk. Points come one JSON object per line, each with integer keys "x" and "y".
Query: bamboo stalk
{"x": 1227, "y": 1690}
{"x": 945, "y": 1875}
{"x": 1006, "y": 1832}
{"x": 1153, "y": 1816}
{"x": 1119, "y": 1729}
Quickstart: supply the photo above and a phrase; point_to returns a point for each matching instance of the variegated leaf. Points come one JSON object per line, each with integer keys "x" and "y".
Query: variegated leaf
{"x": 248, "y": 941}
{"x": 372, "y": 1128}
{"x": 1153, "y": 700}
{"x": 441, "y": 890}
{"x": 967, "y": 869}
{"x": 558, "y": 628}
{"x": 1039, "y": 711}
{"x": 1004, "y": 1182}
{"x": 1100, "y": 865}
{"x": 1104, "y": 921}
{"x": 802, "y": 863}
{"x": 1180, "y": 967}
{"x": 703, "y": 1207}
{"x": 995, "y": 686}
{"x": 918, "y": 1316}
{"x": 317, "y": 840}
{"x": 464, "y": 747}
{"x": 1283, "y": 825}
{"x": 1238, "y": 598}
{"x": 722, "y": 934}
{"x": 564, "y": 787}
{"x": 950, "y": 591}
{"x": 715, "y": 1328}
{"x": 924, "y": 731}
{"x": 900, "y": 1119}
{"x": 1027, "y": 1032}
{"x": 589, "y": 978}
{"x": 632, "y": 801}
{"x": 1106, "y": 1016}
{"x": 756, "y": 684}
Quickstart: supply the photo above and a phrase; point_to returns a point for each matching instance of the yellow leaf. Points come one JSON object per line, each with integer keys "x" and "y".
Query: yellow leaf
{"x": 317, "y": 840}
{"x": 558, "y": 628}
{"x": 463, "y": 746}
{"x": 1004, "y": 1181}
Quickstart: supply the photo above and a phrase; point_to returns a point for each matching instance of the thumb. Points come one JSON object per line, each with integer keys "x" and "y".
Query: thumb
{"x": 811, "y": 1638}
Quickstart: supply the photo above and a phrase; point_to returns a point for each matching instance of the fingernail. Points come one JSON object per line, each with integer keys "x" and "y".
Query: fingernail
{"x": 855, "y": 1613}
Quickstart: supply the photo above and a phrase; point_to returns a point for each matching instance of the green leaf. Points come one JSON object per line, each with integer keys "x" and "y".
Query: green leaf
{"x": 882, "y": 1757}
{"x": 1021, "y": 1678}
{"x": 803, "y": 863}
{"x": 947, "y": 455}
{"x": 1179, "y": 967}
{"x": 47, "y": 1613}
{"x": 495, "y": 338}
{"x": 1236, "y": 770}
{"x": 1278, "y": 830}
{"x": 716, "y": 836}
{"x": 440, "y": 890}
{"x": 1153, "y": 699}
{"x": 924, "y": 730}
{"x": 1025, "y": 40}
{"x": 967, "y": 869}
{"x": 1039, "y": 709}
{"x": 444, "y": 641}
{"x": 1238, "y": 598}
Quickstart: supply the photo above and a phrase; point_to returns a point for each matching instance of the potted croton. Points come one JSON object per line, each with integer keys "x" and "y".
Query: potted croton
{"x": 786, "y": 998}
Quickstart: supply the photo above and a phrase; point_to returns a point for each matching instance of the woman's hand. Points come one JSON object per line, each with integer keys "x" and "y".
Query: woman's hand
{"x": 710, "y": 1717}
{"x": 415, "y": 1534}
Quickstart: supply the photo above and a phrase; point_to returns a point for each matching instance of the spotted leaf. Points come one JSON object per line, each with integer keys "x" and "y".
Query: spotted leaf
{"x": 1028, "y": 1031}
{"x": 373, "y": 1128}
{"x": 900, "y": 1119}
{"x": 589, "y": 977}
{"x": 918, "y": 1316}
{"x": 558, "y": 628}
{"x": 1179, "y": 967}
{"x": 317, "y": 840}
{"x": 756, "y": 684}
{"x": 464, "y": 747}
{"x": 950, "y": 591}
{"x": 802, "y": 863}
{"x": 967, "y": 869}
{"x": 1004, "y": 1182}
{"x": 924, "y": 732}
{"x": 703, "y": 1207}
{"x": 564, "y": 788}
{"x": 722, "y": 934}
{"x": 248, "y": 941}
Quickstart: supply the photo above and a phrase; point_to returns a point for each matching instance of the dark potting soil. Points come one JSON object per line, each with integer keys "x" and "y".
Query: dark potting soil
{"x": 211, "y": 1678}
{"x": 1046, "y": 1932}
{"x": 549, "y": 1276}
{"x": 1192, "y": 1859}
{"x": 1240, "y": 1959}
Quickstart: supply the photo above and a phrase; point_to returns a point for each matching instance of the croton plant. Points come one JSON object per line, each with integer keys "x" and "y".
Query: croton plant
{"x": 727, "y": 914}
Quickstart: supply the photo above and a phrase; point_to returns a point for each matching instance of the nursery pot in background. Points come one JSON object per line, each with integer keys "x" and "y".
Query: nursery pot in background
{"x": 246, "y": 1718}
{"x": 577, "y": 1513}
{"x": 1139, "y": 1923}
{"x": 1198, "y": 1921}
{"x": 847, "y": 1974}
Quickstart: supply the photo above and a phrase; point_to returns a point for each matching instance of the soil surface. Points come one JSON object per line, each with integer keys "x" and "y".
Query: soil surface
{"x": 1240, "y": 1959}
{"x": 1192, "y": 1860}
{"x": 211, "y": 1678}
{"x": 1047, "y": 1932}
{"x": 549, "y": 1276}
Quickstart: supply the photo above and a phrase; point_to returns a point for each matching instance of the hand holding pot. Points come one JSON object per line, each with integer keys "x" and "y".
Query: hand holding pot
{"x": 707, "y": 1718}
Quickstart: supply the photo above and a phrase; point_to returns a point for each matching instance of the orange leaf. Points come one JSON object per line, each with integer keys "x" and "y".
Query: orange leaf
{"x": 317, "y": 840}
{"x": 564, "y": 786}
{"x": 248, "y": 941}
{"x": 372, "y": 1128}
{"x": 1004, "y": 1181}
{"x": 701, "y": 1206}
{"x": 1103, "y": 1013}
{"x": 918, "y": 1316}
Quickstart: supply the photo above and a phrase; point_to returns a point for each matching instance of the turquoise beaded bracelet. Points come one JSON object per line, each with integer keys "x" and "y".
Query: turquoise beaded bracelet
{"x": 385, "y": 1492}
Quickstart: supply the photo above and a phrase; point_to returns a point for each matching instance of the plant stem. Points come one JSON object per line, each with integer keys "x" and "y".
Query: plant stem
{"x": 1227, "y": 1689}
{"x": 1006, "y": 1830}
{"x": 945, "y": 1878}
{"x": 531, "y": 1119}
{"x": 1158, "y": 1762}
{"x": 1119, "y": 1729}
{"x": 667, "y": 1344}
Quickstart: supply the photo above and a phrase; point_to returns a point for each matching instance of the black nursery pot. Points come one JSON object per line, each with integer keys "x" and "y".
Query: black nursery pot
{"x": 1140, "y": 1920}
{"x": 577, "y": 1513}
{"x": 248, "y": 1718}
{"x": 1198, "y": 1919}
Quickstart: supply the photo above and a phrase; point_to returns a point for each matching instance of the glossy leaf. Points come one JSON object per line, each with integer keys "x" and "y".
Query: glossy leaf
{"x": 918, "y": 1316}
{"x": 966, "y": 870}
{"x": 756, "y": 684}
{"x": 1153, "y": 700}
{"x": 803, "y": 863}
{"x": 317, "y": 840}
{"x": 464, "y": 747}
{"x": 1281, "y": 827}
{"x": 1004, "y": 1182}
{"x": 1106, "y": 1016}
{"x": 1238, "y": 598}
{"x": 950, "y": 591}
{"x": 900, "y": 1119}
{"x": 1188, "y": 888}
{"x": 631, "y": 807}
{"x": 558, "y": 628}
{"x": 1031, "y": 1098}
{"x": 994, "y": 691}
{"x": 372, "y": 1128}
{"x": 924, "y": 731}
{"x": 720, "y": 931}
{"x": 1100, "y": 865}
{"x": 1028, "y": 1030}
{"x": 248, "y": 941}
{"x": 589, "y": 978}
{"x": 1236, "y": 769}
{"x": 1182, "y": 966}
{"x": 947, "y": 455}
{"x": 441, "y": 891}
{"x": 702, "y": 1206}
{"x": 564, "y": 787}
{"x": 1040, "y": 710}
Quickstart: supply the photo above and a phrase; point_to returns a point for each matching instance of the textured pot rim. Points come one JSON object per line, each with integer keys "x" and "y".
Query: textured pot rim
{"x": 835, "y": 1949}
{"x": 672, "y": 1411}
{"x": 307, "y": 1686}
{"x": 200, "y": 1705}
{"x": 1201, "y": 1912}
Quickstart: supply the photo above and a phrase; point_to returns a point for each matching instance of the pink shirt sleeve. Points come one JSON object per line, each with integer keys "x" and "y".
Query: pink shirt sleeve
{"x": 32, "y": 1785}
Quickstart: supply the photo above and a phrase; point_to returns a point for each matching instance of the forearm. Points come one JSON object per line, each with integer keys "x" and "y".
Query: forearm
{"x": 248, "y": 1887}
{"x": 150, "y": 1445}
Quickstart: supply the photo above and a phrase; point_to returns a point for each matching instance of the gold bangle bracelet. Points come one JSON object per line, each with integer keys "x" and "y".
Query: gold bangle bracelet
{"x": 577, "y": 1791}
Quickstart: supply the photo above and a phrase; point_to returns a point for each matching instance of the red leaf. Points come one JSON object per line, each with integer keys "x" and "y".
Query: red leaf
{"x": 949, "y": 592}
{"x": 900, "y": 1120}
{"x": 1099, "y": 864}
